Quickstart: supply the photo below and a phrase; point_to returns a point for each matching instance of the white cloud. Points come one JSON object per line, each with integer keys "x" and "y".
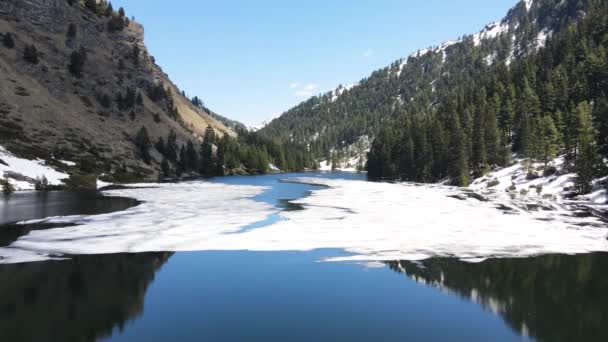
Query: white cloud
{"x": 304, "y": 90}
{"x": 368, "y": 53}
{"x": 311, "y": 86}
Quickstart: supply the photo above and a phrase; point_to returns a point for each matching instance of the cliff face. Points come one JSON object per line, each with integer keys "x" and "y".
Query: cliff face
{"x": 46, "y": 111}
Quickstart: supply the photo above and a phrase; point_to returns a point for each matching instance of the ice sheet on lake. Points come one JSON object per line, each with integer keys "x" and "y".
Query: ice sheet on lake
{"x": 371, "y": 221}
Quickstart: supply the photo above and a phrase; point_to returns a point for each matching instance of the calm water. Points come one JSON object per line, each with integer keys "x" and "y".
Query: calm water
{"x": 248, "y": 296}
{"x": 22, "y": 206}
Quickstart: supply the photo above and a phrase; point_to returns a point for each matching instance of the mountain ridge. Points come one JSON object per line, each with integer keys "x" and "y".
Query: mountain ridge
{"x": 487, "y": 37}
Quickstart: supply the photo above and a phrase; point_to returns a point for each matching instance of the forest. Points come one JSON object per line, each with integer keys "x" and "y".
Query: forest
{"x": 548, "y": 103}
{"x": 534, "y": 91}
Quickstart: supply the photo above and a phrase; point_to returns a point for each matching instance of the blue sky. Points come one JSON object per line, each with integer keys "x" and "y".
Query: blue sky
{"x": 252, "y": 60}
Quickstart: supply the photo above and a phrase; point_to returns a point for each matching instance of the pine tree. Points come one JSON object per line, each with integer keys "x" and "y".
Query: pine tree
{"x": 30, "y": 54}
{"x": 600, "y": 114}
{"x": 549, "y": 139}
{"x": 143, "y": 144}
{"x": 458, "y": 162}
{"x": 207, "y": 166}
{"x": 7, "y": 187}
{"x": 8, "y": 40}
{"x": 77, "y": 61}
{"x": 109, "y": 10}
{"x": 586, "y": 162}
{"x": 139, "y": 100}
{"x": 165, "y": 168}
{"x": 72, "y": 31}
{"x": 191, "y": 157}
{"x": 135, "y": 52}
{"x": 160, "y": 145}
{"x": 91, "y": 5}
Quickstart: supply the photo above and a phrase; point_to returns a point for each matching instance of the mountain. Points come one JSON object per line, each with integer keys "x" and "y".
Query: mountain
{"x": 80, "y": 93}
{"x": 89, "y": 116}
{"x": 456, "y": 109}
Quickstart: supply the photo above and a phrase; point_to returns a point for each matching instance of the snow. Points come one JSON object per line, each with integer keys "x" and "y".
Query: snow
{"x": 102, "y": 184}
{"x": 173, "y": 217}
{"x": 490, "y": 59}
{"x": 528, "y": 4}
{"x": 371, "y": 221}
{"x": 28, "y": 168}
{"x": 67, "y": 162}
{"x": 402, "y": 64}
{"x": 325, "y": 165}
{"x": 273, "y": 167}
{"x": 340, "y": 90}
{"x": 354, "y": 157}
{"x": 493, "y": 30}
{"x": 264, "y": 123}
{"x": 544, "y": 191}
{"x": 542, "y": 37}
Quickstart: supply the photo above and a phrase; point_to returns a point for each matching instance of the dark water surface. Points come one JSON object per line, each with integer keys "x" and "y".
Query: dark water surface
{"x": 24, "y": 206}
{"x": 291, "y": 296}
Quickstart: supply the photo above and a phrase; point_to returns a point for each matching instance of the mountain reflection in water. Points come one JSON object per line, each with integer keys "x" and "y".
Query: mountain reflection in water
{"x": 82, "y": 299}
{"x": 550, "y": 298}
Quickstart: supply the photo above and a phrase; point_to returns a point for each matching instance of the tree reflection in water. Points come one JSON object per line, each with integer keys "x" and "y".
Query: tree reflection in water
{"x": 550, "y": 298}
{"x": 81, "y": 299}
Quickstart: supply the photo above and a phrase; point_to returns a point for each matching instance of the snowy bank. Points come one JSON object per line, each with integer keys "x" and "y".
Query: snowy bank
{"x": 22, "y": 172}
{"x": 554, "y": 190}
{"x": 371, "y": 221}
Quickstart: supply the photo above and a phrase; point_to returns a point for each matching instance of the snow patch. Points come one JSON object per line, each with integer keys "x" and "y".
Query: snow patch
{"x": 372, "y": 221}
{"x": 493, "y": 30}
{"x": 541, "y": 38}
{"x": 29, "y": 169}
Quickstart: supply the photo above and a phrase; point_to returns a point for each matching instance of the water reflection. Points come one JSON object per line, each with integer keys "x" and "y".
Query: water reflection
{"x": 550, "y": 298}
{"x": 22, "y": 206}
{"x": 81, "y": 299}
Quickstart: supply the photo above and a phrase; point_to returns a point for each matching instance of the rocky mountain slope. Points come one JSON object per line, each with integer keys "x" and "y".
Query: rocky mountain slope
{"x": 77, "y": 83}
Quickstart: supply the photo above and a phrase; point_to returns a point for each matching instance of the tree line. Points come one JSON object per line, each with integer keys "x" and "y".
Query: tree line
{"x": 218, "y": 156}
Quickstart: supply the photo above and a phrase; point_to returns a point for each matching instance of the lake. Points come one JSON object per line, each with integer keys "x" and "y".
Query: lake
{"x": 268, "y": 296}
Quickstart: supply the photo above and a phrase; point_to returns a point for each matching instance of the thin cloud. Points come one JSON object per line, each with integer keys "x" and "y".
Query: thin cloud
{"x": 304, "y": 90}
{"x": 368, "y": 53}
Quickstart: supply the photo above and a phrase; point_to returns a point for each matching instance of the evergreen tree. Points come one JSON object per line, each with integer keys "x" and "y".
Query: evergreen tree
{"x": 207, "y": 166}
{"x": 7, "y": 187}
{"x": 139, "y": 100}
{"x": 165, "y": 168}
{"x": 143, "y": 144}
{"x": 160, "y": 145}
{"x": 72, "y": 31}
{"x": 549, "y": 139}
{"x": 91, "y": 5}
{"x": 30, "y": 54}
{"x": 8, "y": 40}
{"x": 77, "y": 61}
{"x": 192, "y": 161}
{"x": 135, "y": 52}
{"x": 109, "y": 10}
{"x": 586, "y": 162}
{"x": 458, "y": 161}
